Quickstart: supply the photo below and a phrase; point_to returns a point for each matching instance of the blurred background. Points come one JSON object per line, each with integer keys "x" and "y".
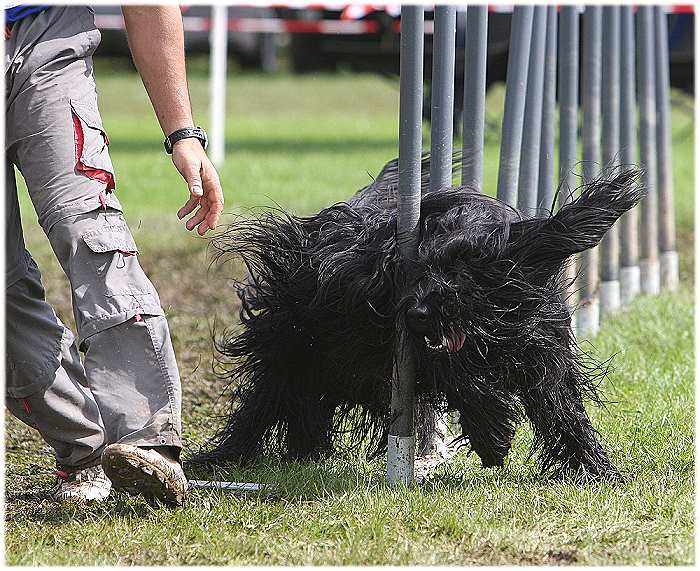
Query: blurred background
{"x": 301, "y": 38}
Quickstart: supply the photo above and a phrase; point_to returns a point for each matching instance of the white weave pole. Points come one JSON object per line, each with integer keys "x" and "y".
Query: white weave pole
{"x": 218, "y": 40}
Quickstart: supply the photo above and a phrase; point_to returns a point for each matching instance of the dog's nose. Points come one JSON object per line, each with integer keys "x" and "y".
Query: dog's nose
{"x": 418, "y": 319}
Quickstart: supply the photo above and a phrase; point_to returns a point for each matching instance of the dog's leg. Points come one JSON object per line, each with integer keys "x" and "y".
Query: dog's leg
{"x": 488, "y": 421}
{"x": 309, "y": 429}
{"x": 248, "y": 427}
{"x": 487, "y": 416}
{"x": 563, "y": 433}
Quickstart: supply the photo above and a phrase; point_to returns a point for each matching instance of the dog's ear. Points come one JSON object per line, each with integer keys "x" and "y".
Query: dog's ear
{"x": 541, "y": 245}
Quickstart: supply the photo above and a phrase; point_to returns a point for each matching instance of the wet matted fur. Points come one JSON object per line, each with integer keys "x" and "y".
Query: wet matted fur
{"x": 310, "y": 367}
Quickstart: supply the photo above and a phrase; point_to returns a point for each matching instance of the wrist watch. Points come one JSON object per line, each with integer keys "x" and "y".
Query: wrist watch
{"x": 189, "y": 133}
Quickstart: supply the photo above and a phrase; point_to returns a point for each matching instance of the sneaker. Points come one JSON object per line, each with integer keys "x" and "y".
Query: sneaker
{"x": 145, "y": 471}
{"x": 86, "y": 485}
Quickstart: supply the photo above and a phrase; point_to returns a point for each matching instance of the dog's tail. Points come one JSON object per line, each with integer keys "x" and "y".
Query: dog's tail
{"x": 545, "y": 243}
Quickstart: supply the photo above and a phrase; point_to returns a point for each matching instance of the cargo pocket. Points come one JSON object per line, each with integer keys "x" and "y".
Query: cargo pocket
{"x": 110, "y": 286}
{"x": 91, "y": 141}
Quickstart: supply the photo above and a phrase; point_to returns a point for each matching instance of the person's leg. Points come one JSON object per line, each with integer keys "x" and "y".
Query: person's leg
{"x": 57, "y": 140}
{"x": 46, "y": 385}
{"x": 45, "y": 381}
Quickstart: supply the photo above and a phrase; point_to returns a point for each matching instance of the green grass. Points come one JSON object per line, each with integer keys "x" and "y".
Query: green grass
{"x": 303, "y": 142}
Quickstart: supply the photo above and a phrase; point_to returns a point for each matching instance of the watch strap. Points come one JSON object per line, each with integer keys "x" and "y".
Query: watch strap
{"x": 187, "y": 133}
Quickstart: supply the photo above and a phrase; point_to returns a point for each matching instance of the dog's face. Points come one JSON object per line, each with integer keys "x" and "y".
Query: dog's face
{"x": 461, "y": 272}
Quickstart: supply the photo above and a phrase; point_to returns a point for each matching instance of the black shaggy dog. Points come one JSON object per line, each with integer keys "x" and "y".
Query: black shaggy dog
{"x": 487, "y": 320}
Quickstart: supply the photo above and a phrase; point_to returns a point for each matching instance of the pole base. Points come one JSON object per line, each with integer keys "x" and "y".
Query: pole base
{"x": 670, "y": 274}
{"x": 650, "y": 277}
{"x": 588, "y": 318}
{"x": 630, "y": 283}
{"x": 401, "y": 457}
{"x": 609, "y": 297}
{"x": 454, "y": 427}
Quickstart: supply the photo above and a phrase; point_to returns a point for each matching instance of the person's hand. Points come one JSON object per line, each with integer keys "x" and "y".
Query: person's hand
{"x": 203, "y": 182}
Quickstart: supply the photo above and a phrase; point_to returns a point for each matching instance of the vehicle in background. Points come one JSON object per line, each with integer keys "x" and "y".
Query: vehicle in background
{"x": 329, "y": 36}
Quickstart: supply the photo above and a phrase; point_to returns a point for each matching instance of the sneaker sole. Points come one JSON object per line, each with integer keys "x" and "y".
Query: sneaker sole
{"x": 131, "y": 472}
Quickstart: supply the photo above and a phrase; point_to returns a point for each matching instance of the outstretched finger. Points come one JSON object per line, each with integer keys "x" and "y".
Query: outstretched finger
{"x": 188, "y": 207}
{"x": 197, "y": 218}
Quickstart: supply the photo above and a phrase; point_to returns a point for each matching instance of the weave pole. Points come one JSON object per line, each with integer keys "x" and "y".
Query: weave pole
{"x": 218, "y": 39}
{"x": 514, "y": 106}
{"x": 610, "y": 245}
{"x": 532, "y": 128}
{"x": 629, "y": 259}
{"x": 668, "y": 256}
{"x": 474, "y": 96}
{"x": 568, "y": 122}
{"x": 649, "y": 262}
{"x": 441, "y": 134}
{"x": 402, "y": 440}
{"x": 442, "y": 97}
{"x": 545, "y": 178}
{"x": 588, "y": 318}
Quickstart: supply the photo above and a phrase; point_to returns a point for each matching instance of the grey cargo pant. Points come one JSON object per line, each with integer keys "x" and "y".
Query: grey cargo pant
{"x": 128, "y": 388}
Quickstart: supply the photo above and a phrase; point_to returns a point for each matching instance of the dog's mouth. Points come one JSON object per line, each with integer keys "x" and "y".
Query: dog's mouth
{"x": 450, "y": 343}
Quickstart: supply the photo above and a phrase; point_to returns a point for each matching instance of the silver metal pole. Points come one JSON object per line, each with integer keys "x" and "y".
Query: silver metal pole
{"x": 218, "y": 39}
{"x": 514, "y": 106}
{"x": 629, "y": 272}
{"x": 568, "y": 122}
{"x": 441, "y": 134}
{"x": 649, "y": 263}
{"x": 530, "y": 150}
{"x": 545, "y": 194}
{"x": 442, "y": 97}
{"x": 667, "y": 221}
{"x": 474, "y": 96}
{"x": 610, "y": 245}
{"x": 402, "y": 441}
{"x": 588, "y": 318}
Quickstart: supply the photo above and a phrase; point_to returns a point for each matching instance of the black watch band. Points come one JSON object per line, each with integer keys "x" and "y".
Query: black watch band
{"x": 189, "y": 133}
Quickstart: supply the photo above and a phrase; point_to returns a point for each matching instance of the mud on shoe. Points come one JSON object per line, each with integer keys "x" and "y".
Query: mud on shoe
{"x": 145, "y": 471}
{"x": 85, "y": 485}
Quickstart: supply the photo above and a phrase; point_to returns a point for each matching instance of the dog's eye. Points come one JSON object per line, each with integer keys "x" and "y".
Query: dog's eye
{"x": 451, "y": 307}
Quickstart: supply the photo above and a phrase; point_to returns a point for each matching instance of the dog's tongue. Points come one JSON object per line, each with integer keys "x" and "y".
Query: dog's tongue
{"x": 455, "y": 341}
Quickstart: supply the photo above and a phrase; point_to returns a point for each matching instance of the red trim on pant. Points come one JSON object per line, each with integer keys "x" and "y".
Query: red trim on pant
{"x": 103, "y": 176}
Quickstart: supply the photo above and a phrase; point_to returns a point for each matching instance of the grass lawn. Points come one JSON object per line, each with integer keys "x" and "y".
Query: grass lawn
{"x": 303, "y": 142}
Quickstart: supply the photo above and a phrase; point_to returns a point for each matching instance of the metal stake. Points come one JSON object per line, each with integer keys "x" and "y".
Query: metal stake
{"x": 514, "y": 106}
{"x": 610, "y": 245}
{"x": 402, "y": 441}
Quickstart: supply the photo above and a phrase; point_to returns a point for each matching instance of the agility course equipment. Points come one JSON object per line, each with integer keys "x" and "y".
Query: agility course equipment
{"x": 640, "y": 255}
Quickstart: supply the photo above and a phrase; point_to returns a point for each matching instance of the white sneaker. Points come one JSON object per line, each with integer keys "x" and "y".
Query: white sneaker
{"x": 86, "y": 485}
{"x": 146, "y": 472}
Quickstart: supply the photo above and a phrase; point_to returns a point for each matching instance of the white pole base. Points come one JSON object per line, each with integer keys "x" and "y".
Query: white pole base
{"x": 401, "y": 457}
{"x": 588, "y": 318}
{"x": 650, "y": 276}
{"x": 630, "y": 283}
{"x": 670, "y": 274}
{"x": 609, "y": 297}
{"x": 455, "y": 428}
